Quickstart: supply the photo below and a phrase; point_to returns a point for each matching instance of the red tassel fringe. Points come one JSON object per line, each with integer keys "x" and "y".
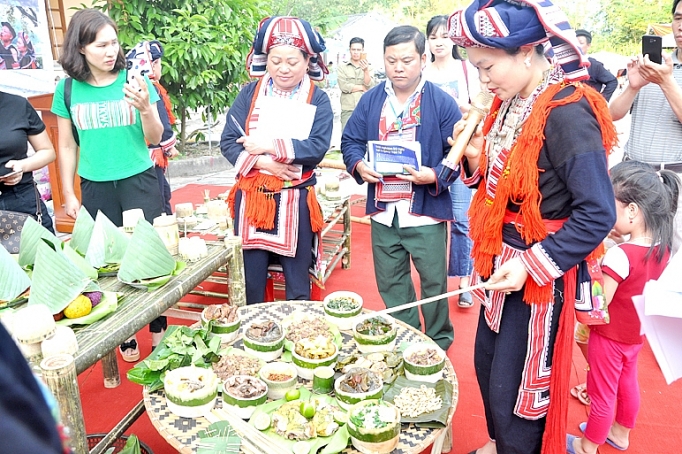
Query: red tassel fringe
{"x": 554, "y": 438}
{"x": 519, "y": 183}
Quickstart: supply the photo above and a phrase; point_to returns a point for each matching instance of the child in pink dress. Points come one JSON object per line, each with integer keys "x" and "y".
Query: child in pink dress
{"x": 646, "y": 201}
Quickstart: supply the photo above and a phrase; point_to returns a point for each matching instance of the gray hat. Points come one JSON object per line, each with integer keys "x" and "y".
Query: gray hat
{"x": 585, "y": 33}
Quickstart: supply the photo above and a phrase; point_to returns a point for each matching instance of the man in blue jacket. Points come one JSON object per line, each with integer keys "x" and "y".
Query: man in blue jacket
{"x": 410, "y": 211}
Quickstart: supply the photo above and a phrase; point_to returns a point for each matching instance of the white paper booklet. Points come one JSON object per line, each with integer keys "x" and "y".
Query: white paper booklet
{"x": 280, "y": 118}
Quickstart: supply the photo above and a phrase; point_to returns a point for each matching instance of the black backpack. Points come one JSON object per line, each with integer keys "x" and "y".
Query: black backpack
{"x": 67, "y": 102}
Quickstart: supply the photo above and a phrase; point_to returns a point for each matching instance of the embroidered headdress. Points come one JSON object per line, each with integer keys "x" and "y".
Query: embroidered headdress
{"x": 155, "y": 49}
{"x": 286, "y": 31}
{"x": 505, "y": 24}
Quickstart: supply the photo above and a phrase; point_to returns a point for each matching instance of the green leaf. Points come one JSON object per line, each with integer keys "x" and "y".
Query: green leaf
{"x": 31, "y": 235}
{"x": 177, "y": 349}
{"x": 79, "y": 261}
{"x": 338, "y": 442}
{"x": 107, "y": 243}
{"x": 132, "y": 446}
{"x": 82, "y": 230}
{"x": 13, "y": 280}
{"x": 56, "y": 280}
{"x": 146, "y": 256}
{"x": 106, "y": 306}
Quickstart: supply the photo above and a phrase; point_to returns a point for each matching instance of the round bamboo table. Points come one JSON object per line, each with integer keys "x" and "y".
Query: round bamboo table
{"x": 181, "y": 433}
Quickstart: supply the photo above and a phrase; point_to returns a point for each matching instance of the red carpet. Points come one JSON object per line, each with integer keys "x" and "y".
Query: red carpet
{"x": 659, "y": 424}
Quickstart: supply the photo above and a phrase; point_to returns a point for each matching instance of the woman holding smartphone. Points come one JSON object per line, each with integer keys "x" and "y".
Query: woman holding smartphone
{"x": 22, "y": 125}
{"x": 112, "y": 119}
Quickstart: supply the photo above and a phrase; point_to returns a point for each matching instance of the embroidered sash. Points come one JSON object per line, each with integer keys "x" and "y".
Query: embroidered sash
{"x": 404, "y": 127}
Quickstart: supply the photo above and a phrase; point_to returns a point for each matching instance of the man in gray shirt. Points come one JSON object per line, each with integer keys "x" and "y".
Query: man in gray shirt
{"x": 654, "y": 97}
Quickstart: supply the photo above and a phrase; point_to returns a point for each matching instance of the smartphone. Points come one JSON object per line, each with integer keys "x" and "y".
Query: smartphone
{"x": 138, "y": 64}
{"x": 363, "y": 56}
{"x": 653, "y": 46}
{"x": 9, "y": 175}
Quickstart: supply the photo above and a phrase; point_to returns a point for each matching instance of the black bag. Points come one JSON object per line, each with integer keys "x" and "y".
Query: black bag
{"x": 67, "y": 102}
{"x": 11, "y": 224}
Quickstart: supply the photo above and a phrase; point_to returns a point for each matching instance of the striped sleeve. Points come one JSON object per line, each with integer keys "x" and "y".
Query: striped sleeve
{"x": 284, "y": 151}
{"x": 540, "y": 266}
{"x": 245, "y": 163}
{"x": 473, "y": 180}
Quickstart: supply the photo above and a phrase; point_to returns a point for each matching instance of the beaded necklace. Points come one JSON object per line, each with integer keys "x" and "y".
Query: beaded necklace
{"x": 513, "y": 114}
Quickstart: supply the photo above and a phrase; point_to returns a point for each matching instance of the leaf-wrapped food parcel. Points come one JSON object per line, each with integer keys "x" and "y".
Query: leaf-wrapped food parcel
{"x": 82, "y": 231}
{"x": 30, "y": 240}
{"x": 146, "y": 257}
{"x": 57, "y": 280}
{"x": 13, "y": 280}
{"x": 107, "y": 243}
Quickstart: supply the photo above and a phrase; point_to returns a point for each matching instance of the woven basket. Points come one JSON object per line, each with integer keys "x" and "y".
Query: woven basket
{"x": 118, "y": 445}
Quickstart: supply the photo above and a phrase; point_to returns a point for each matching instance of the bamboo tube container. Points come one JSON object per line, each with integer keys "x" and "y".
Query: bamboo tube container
{"x": 59, "y": 374}
{"x": 235, "y": 272}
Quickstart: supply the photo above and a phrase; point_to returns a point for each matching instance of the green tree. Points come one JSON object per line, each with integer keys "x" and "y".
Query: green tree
{"x": 622, "y": 23}
{"x": 205, "y": 47}
{"x": 324, "y": 15}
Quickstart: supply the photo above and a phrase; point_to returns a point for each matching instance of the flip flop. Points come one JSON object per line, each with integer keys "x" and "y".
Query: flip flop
{"x": 465, "y": 300}
{"x": 129, "y": 351}
{"x": 583, "y": 426}
{"x": 580, "y": 393}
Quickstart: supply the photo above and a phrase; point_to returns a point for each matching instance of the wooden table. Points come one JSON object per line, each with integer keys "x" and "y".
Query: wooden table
{"x": 137, "y": 308}
{"x": 181, "y": 433}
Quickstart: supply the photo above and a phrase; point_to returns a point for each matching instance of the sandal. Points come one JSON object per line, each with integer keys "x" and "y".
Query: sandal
{"x": 465, "y": 300}
{"x": 580, "y": 393}
{"x": 129, "y": 351}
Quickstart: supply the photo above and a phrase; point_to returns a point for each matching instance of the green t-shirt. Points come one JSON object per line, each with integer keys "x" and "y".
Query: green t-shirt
{"x": 112, "y": 145}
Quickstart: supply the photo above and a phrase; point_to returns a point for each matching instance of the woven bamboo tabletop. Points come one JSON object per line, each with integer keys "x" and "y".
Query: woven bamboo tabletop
{"x": 181, "y": 433}
{"x": 138, "y": 307}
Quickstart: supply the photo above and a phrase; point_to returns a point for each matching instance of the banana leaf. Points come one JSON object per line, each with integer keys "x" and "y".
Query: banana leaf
{"x": 152, "y": 284}
{"x": 107, "y": 244}
{"x": 13, "y": 280}
{"x": 57, "y": 280}
{"x": 30, "y": 240}
{"x": 146, "y": 256}
{"x": 218, "y": 437}
{"x": 435, "y": 419}
{"x": 79, "y": 261}
{"x": 82, "y": 230}
{"x": 106, "y": 306}
{"x": 180, "y": 346}
{"x": 132, "y": 446}
{"x": 337, "y": 441}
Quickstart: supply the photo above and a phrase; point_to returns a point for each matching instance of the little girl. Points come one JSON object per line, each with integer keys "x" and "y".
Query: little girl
{"x": 646, "y": 201}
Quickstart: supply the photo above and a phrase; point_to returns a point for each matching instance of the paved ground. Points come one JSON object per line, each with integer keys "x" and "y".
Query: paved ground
{"x": 226, "y": 177}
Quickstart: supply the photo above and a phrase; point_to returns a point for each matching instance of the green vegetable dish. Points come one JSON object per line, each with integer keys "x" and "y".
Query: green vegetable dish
{"x": 375, "y": 416}
{"x": 374, "y": 326}
{"x": 343, "y": 304}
